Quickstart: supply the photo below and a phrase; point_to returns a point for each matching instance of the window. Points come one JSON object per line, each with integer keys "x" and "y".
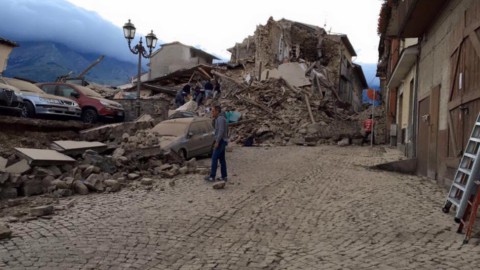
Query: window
{"x": 196, "y": 128}
{"x": 49, "y": 89}
{"x": 65, "y": 91}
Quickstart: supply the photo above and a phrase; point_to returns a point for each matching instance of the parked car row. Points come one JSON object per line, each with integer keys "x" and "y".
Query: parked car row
{"x": 60, "y": 100}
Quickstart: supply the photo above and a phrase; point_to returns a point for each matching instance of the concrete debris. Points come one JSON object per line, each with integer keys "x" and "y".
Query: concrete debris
{"x": 344, "y": 142}
{"x": 77, "y": 147}
{"x": 219, "y": 185}
{"x": 19, "y": 167}
{"x": 42, "y": 211}
{"x": 147, "y": 181}
{"x": 3, "y": 164}
{"x": 112, "y": 185}
{"x": 292, "y": 73}
{"x": 5, "y": 231}
{"x": 41, "y": 157}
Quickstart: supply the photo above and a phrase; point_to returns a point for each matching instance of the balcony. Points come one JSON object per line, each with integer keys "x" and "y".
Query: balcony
{"x": 412, "y": 18}
{"x": 404, "y": 65}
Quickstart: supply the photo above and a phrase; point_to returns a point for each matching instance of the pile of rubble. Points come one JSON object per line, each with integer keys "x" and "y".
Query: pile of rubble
{"x": 81, "y": 167}
{"x": 274, "y": 112}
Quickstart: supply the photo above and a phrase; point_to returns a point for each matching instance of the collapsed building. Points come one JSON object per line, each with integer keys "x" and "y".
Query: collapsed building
{"x": 284, "y": 41}
{"x": 290, "y": 83}
{"x": 286, "y": 77}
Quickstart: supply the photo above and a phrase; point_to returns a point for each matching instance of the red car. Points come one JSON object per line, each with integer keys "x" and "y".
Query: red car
{"x": 94, "y": 106}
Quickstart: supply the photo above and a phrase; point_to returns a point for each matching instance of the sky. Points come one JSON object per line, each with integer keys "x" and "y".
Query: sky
{"x": 95, "y": 26}
{"x": 215, "y": 25}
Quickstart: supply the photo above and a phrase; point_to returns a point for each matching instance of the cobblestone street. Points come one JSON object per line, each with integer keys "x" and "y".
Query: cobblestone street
{"x": 283, "y": 208}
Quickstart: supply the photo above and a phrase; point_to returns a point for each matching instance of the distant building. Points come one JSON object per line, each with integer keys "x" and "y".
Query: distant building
{"x": 175, "y": 56}
{"x": 6, "y": 47}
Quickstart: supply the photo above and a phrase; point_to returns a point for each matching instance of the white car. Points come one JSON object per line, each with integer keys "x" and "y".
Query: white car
{"x": 190, "y": 137}
{"x": 37, "y": 102}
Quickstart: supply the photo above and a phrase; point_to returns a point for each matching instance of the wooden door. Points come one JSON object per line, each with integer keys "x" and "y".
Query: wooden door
{"x": 464, "y": 100}
{"x": 423, "y": 133}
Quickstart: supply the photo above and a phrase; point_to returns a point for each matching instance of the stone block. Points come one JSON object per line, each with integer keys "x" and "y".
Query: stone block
{"x": 112, "y": 185}
{"x": 5, "y": 231}
{"x": 40, "y": 211}
{"x": 147, "y": 181}
{"x": 8, "y": 193}
{"x": 80, "y": 188}
{"x": 63, "y": 192}
{"x": 32, "y": 187}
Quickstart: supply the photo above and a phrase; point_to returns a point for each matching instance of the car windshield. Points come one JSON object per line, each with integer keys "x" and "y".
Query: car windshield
{"x": 24, "y": 85}
{"x": 88, "y": 92}
{"x": 171, "y": 129}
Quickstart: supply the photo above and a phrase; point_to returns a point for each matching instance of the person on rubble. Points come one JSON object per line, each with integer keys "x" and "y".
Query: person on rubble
{"x": 180, "y": 98}
{"x": 367, "y": 128}
{"x": 208, "y": 89}
{"x": 199, "y": 94}
{"x": 220, "y": 144}
{"x": 216, "y": 90}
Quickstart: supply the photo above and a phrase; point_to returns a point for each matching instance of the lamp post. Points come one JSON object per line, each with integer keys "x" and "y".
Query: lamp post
{"x": 151, "y": 39}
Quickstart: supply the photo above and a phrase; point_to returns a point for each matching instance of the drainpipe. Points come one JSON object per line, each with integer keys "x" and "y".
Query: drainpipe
{"x": 415, "y": 101}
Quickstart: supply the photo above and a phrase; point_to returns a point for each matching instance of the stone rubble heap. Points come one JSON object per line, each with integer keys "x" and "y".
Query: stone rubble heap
{"x": 275, "y": 113}
{"x": 93, "y": 172}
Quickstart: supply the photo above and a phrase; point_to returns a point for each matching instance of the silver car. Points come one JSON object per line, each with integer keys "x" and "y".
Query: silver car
{"x": 38, "y": 102}
{"x": 189, "y": 137}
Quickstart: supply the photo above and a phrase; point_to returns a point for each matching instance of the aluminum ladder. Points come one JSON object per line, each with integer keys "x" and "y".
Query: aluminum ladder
{"x": 463, "y": 186}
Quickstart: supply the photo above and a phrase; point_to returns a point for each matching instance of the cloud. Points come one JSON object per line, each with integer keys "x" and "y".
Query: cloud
{"x": 63, "y": 22}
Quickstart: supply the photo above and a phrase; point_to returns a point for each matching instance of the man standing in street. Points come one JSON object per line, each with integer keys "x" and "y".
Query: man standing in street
{"x": 221, "y": 140}
{"x": 367, "y": 127}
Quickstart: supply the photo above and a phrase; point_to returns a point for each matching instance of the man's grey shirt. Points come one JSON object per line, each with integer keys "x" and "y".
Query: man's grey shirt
{"x": 221, "y": 128}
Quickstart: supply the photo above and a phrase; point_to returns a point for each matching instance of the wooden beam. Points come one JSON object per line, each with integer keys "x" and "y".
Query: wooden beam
{"x": 307, "y": 101}
{"x": 452, "y": 134}
{"x": 475, "y": 42}
{"x": 469, "y": 97}
{"x": 319, "y": 86}
{"x": 457, "y": 60}
{"x": 289, "y": 86}
{"x": 204, "y": 72}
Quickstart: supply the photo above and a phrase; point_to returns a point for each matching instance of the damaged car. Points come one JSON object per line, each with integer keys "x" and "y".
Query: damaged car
{"x": 94, "y": 106}
{"x": 11, "y": 101}
{"x": 190, "y": 137}
{"x": 39, "y": 103}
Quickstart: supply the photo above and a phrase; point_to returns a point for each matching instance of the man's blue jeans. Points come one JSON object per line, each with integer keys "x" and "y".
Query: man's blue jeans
{"x": 219, "y": 154}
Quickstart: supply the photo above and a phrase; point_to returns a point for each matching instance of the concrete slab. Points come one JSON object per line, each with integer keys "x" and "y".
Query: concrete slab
{"x": 19, "y": 167}
{"x": 42, "y": 157}
{"x": 77, "y": 147}
{"x": 293, "y": 73}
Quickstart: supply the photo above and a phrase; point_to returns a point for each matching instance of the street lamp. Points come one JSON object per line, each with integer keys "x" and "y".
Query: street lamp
{"x": 151, "y": 39}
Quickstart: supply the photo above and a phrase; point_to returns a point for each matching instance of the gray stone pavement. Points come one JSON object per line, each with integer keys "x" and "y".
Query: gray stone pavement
{"x": 284, "y": 208}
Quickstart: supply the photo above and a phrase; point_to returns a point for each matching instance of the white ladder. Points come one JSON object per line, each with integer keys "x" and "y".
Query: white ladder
{"x": 463, "y": 185}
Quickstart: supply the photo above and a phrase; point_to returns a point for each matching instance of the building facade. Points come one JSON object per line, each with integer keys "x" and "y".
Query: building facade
{"x": 6, "y": 47}
{"x": 176, "y": 56}
{"x": 442, "y": 83}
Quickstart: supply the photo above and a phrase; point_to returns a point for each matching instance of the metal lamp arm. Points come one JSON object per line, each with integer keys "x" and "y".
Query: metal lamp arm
{"x": 134, "y": 50}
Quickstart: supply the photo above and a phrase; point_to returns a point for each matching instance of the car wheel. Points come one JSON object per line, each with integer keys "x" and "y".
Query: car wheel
{"x": 23, "y": 111}
{"x": 28, "y": 110}
{"x": 184, "y": 154}
{"x": 89, "y": 116}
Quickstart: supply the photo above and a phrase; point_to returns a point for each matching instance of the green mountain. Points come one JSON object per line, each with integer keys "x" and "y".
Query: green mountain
{"x": 45, "y": 61}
